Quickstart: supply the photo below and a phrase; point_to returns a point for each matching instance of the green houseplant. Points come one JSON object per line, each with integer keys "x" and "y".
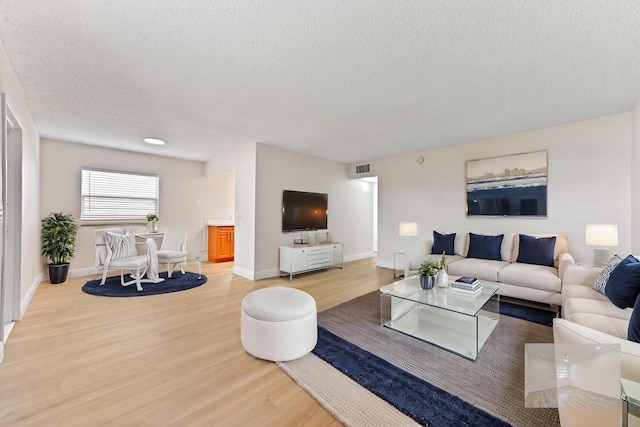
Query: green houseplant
{"x": 59, "y": 232}
{"x": 152, "y": 219}
{"x": 428, "y": 271}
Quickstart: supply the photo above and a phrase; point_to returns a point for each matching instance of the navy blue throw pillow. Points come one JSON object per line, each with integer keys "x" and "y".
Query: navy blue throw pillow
{"x": 443, "y": 243}
{"x": 623, "y": 285}
{"x": 634, "y": 323}
{"x": 536, "y": 250}
{"x": 485, "y": 247}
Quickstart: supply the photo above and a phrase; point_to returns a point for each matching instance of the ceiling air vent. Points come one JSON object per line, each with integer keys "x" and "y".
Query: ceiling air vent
{"x": 363, "y": 168}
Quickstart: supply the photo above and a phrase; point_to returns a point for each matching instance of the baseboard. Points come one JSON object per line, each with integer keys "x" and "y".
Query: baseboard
{"x": 24, "y": 303}
{"x": 265, "y": 274}
{"x": 85, "y": 271}
{"x": 384, "y": 264}
{"x": 355, "y": 257}
{"x": 247, "y": 274}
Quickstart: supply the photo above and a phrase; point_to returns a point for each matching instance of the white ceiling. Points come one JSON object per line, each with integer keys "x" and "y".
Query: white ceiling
{"x": 348, "y": 80}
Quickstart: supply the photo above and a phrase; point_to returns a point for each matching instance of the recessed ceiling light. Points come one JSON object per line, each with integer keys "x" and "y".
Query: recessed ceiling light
{"x": 154, "y": 141}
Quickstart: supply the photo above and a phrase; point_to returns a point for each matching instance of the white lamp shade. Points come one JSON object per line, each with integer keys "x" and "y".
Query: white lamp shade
{"x": 408, "y": 229}
{"x": 602, "y": 234}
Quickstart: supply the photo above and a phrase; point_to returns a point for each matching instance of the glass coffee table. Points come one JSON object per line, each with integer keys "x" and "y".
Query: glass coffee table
{"x": 441, "y": 316}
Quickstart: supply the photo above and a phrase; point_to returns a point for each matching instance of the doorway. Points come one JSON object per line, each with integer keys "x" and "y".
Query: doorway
{"x": 10, "y": 219}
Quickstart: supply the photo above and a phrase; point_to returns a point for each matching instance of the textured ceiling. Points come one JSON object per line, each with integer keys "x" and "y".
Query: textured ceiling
{"x": 345, "y": 80}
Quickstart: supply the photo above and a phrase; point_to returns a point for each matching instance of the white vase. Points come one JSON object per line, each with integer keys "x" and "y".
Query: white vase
{"x": 442, "y": 279}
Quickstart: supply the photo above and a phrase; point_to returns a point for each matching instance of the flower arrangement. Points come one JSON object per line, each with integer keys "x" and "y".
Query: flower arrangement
{"x": 152, "y": 217}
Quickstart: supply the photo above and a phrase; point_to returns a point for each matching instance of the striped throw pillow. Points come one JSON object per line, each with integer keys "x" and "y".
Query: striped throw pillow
{"x": 121, "y": 245}
{"x": 601, "y": 282}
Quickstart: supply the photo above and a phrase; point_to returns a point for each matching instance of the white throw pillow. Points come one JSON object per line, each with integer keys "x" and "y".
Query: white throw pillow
{"x": 121, "y": 245}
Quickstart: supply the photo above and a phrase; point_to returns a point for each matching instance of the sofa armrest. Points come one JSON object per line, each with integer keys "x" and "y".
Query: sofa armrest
{"x": 580, "y": 275}
{"x": 567, "y": 332}
{"x": 564, "y": 260}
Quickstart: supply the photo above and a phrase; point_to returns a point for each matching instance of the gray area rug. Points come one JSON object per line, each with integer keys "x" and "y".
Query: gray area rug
{"x": 493, "y": 382}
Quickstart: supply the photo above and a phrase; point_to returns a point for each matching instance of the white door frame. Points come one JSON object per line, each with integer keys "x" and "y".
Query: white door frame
{"x": 11, "y": 251}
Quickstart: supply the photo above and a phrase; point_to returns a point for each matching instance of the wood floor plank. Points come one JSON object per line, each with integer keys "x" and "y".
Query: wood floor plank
{"x": 172, "y": 359}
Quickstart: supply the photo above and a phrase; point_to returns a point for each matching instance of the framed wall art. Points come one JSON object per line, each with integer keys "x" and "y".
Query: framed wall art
{"x": 514, "y": 185}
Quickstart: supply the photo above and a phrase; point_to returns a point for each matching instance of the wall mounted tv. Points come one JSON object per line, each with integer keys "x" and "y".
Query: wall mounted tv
{"x": 303, "y": 210}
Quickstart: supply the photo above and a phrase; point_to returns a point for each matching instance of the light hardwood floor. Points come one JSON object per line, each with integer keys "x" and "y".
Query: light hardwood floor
{"x": 172, "y": 359}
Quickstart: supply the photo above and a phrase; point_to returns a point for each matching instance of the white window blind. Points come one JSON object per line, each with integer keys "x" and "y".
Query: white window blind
{"x": 118, "y": 196}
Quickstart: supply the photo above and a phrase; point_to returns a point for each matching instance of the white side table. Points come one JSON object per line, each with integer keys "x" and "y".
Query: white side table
{"x": 402, "y": 264}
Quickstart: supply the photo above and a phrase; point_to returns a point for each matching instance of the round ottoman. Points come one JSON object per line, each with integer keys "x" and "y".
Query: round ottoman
{"x": 278, "y": 324}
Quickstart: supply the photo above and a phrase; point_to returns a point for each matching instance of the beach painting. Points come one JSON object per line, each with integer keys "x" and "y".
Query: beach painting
{"x": 514, "y": 185}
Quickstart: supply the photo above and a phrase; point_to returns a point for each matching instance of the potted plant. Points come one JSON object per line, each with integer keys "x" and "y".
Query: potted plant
{"x": 59, "y": 232}
{"x": 152, "y": 219}
{"x": 428, "y": 271}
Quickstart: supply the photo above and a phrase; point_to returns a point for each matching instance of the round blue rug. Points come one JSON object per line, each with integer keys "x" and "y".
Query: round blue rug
{"x": 113, "y": 288}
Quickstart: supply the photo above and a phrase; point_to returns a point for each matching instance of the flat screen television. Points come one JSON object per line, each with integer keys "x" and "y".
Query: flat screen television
{"x": 302, "y": 210}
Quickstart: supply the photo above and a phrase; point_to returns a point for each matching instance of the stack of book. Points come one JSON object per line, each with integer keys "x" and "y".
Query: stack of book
{"x": 467, "y": 286}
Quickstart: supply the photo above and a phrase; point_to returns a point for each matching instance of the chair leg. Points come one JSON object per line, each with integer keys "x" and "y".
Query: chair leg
{"x": 104, "y": 275}
{"x": 169, "y": 270}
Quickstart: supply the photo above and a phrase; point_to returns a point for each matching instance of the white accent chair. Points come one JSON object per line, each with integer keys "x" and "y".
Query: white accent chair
{"x": 173, "y": 250}
{"x": 136, "y": 265}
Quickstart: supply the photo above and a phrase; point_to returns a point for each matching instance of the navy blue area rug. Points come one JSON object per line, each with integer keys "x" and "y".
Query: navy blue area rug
{"x": 418, "y": 399}
{"x": 532, "y": 314}
{"x": 113, "y": 288}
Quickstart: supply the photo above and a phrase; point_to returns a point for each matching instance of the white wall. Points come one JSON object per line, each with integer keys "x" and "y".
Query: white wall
{"x": 261, "y": 173}
{"x": 31, "y": 268}
{"x": 635, "y": 180}
{"x": 589, "y": 181}
{"x": 186, "y": 196}
{"x": 350, "y": 204}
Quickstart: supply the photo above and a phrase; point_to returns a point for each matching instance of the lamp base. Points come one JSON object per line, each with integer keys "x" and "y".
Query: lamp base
{"x": 600, "y": 257}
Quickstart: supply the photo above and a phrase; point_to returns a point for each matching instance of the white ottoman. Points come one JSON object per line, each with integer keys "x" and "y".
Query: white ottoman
{"x": 278, "y": 324}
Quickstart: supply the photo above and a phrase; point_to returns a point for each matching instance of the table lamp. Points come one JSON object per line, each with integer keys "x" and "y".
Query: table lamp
{"x": 406, "y": 230}
{"x": 601, "y": 235}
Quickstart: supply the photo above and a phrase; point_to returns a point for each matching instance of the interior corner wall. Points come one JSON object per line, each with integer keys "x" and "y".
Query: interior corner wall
{"x": 243, "y": 163}
{"x": 589, "y": 181}
{"x": 31, "y": 269}
{"x": 635, "y": 180}
{"x": 182, "y": 186}
{"x": 350, "y": 204}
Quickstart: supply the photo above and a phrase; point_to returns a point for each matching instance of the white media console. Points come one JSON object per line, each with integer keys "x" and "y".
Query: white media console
{"x": 297, "y": 259}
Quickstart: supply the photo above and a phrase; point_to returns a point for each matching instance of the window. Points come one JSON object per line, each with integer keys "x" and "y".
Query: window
{"x": 109, "y": 196}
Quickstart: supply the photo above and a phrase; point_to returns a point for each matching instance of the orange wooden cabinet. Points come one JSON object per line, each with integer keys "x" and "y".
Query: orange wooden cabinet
{"x": 221, "y": 241}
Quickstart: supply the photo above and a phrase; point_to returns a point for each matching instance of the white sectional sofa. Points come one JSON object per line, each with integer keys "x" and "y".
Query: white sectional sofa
{"x": 531, "y": 282}
{"x": 589, "y": 317}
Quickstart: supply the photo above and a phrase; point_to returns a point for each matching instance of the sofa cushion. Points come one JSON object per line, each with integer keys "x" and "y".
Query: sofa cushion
{"x": 485, "y": 247}
{"x": 623, "y": 285}
{"x": 475, "y": 267}
{"x": 608, "y": 325}
{"x": 603, "y": 278}
{"x": 633, "y": 333}
{"x": 531, "y": 276}
{"x": 414, "y": 264}
{"x": 581, "y": 291}
{"x": 443, "y": 243}
{"x": 536, "y": 250}
{"x": 583, "y": 305}
{"x": 460, "y": 244}
{"x": 506, "y": 248}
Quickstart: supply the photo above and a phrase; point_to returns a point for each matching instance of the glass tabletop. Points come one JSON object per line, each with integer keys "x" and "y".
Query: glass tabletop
{"x": 445, "y": 298}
